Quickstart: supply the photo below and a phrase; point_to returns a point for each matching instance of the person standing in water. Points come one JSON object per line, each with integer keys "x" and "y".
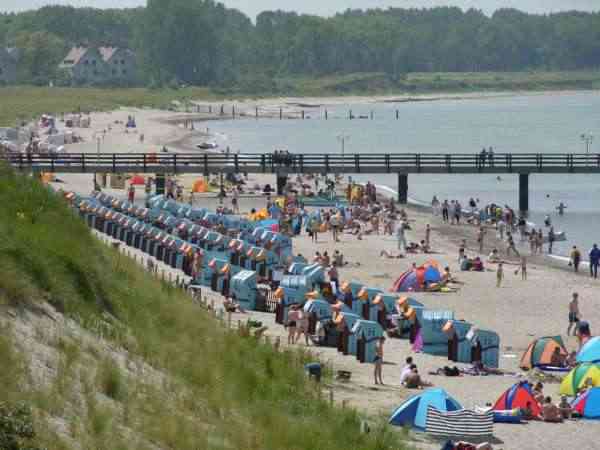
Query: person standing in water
{"x": 561, "y": 208}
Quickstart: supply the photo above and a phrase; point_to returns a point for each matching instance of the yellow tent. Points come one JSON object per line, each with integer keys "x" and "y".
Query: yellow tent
{"x": 578, "y": 378}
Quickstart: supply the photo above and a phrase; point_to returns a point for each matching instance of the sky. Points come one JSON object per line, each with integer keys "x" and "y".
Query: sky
{"x": 329, "y": 7}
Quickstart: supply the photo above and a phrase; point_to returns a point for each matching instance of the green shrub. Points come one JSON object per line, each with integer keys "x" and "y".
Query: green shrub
{"x": 111, "y": 381}
{"x": 16, "y": 427}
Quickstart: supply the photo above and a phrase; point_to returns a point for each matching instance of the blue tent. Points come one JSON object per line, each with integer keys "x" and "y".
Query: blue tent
{"x": 413, "y": 412}
{"x": 590, "y": 352}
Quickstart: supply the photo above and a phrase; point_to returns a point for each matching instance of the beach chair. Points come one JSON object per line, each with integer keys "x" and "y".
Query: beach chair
{"x": 346, "y": 338}
{"x": 435, "y": 341}
{"x": 485, "y": 346}
{"x": 367, "y": 334}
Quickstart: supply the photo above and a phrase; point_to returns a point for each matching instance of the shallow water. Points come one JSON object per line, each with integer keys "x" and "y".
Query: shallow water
{"x": 548, "y": 123}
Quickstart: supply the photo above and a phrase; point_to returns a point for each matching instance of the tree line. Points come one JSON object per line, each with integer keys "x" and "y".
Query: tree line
{"x": 200, "y": 42}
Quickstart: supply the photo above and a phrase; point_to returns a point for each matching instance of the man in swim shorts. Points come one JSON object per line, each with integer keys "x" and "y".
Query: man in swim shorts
{"x": 573, "y": 314}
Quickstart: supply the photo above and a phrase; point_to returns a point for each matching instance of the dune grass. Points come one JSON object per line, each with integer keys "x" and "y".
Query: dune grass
{"x": 242, "y": 393}
{"x": 25, "y": 102}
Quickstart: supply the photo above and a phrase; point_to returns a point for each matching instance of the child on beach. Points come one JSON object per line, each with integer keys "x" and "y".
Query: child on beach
{"x": 522, "y": 268}
{"x": 461, "y": 250}
{"x": 499, "y": 275}
{"x": 378, "y": 369}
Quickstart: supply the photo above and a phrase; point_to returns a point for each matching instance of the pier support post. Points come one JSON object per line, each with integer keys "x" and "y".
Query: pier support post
{"x": 524, "y": 192}
{"x": 403, "y": 188}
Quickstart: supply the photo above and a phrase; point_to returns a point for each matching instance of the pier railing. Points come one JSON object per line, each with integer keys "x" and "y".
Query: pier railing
{"x": 282, "y": 164}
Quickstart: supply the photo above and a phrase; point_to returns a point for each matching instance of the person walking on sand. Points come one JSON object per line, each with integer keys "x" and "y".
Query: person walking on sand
{"x": 445, "y": 211}
{"x": 480, "y": 235}
{"x": 335, "y": 222}
{"x": 427, "y": 235}
{"x": 401, "y": 236}
{"x": 575, "y": 258}
{"x": 378, "y": 369}
{"x": 551, "y": 239}
{"x": 457, "y": 212}
{"x": 573, "y": 314}
{"x": 510, "y": 244}
{"x": 499, "y": 275}
{"x": 501, "y": 228}
{"x": 131, "y": 193}
{"x": 594, "y": 261}
{"x": 235, "y": 200}
{"x": 523, "y": 268}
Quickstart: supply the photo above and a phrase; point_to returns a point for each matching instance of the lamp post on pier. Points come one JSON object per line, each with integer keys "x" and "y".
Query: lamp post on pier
{"x": 343, "y": 137}
{"x": 587, "y": 139}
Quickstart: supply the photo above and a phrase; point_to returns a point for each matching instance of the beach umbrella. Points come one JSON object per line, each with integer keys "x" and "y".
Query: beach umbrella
{"x": 590, "y": 352}
{"x": 413, "y": 412}
{"x": 539, "y": 352}
{"x": 578, "y": 378}
{"x": 137, "y": 180}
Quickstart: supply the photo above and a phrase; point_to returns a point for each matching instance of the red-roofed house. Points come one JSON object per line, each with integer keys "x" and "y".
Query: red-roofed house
{"x": 100, "y": 65}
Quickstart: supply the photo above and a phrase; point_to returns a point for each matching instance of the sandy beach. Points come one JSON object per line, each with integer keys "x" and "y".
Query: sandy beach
{"x": 519, "y": 311}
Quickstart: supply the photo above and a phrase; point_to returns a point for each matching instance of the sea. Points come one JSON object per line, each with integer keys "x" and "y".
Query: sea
{"x": 529, "y": 123}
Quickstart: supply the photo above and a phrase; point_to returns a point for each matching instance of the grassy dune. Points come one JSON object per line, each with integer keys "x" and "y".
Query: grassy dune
{"x": 211, "y": 388}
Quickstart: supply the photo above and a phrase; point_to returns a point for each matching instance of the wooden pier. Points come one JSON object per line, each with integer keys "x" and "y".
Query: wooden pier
{"x": 283, "y": 165}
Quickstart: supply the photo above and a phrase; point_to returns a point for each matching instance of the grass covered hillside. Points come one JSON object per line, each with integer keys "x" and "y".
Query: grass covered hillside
{"x": 106, "y": 357}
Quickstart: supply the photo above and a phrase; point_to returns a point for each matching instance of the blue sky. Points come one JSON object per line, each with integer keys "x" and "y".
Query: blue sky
{"x": 328, "y": 7}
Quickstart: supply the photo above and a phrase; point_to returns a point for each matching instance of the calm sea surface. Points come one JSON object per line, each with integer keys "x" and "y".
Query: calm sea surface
{"x": 551, "y": 123}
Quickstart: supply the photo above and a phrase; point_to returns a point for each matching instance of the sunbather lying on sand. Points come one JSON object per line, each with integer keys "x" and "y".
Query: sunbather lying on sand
{"x": 390, "y": 255}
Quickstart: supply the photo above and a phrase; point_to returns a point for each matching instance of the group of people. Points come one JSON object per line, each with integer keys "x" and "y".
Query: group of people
{"x": 410, "y": 377}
